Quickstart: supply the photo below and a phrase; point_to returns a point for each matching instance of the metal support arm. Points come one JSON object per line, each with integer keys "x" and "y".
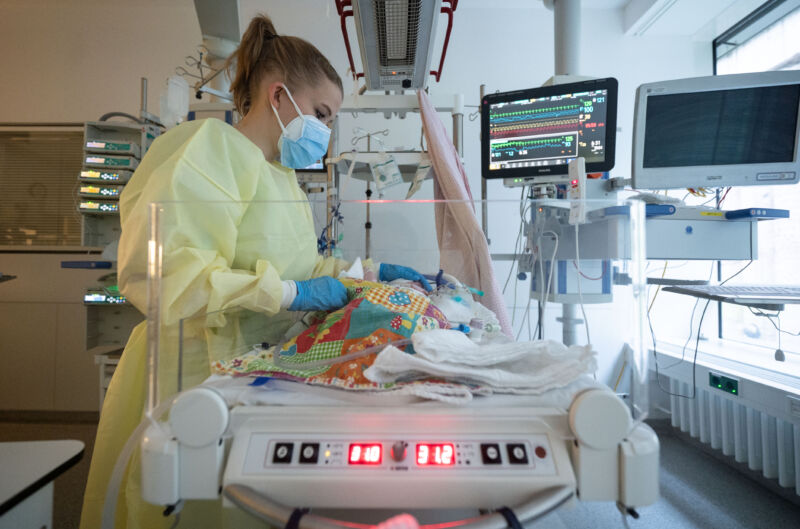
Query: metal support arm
{"x": 264, "y": 508}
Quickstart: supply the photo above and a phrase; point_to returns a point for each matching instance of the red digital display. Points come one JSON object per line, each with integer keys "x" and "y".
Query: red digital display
{"x": 436, "y": 454}
{"x": 365, "y": 454}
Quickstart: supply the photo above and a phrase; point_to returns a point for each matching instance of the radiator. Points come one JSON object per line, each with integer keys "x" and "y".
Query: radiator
{"x": 765, "y": 440}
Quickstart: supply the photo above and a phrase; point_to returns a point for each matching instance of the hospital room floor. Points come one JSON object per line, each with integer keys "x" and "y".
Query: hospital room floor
{"x": 697, "y": 491}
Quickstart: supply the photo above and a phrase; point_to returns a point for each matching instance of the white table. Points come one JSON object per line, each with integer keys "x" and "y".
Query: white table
{"x": 27, "y": 471}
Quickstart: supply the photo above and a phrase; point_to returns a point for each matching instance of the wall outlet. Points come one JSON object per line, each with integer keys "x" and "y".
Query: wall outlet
{"x": 723, "y": 383}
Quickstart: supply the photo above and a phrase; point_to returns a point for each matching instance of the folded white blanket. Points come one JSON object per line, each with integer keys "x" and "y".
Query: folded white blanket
{"x": 514, "y": 367}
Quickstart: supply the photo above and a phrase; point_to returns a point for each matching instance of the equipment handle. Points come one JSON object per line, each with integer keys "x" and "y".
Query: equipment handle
{"x": 264, "y": 508}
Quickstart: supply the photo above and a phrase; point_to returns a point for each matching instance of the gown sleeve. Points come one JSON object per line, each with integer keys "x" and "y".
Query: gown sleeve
{"x": 202, "y": 185}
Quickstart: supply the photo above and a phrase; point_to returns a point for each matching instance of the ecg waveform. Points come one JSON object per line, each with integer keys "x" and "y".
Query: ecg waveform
{"x": 546, "y": 131}
{"x": 556, "y": 146}
{"x": 529, "y": 129}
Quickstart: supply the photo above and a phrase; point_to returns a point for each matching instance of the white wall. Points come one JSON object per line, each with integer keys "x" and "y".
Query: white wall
{"x": 75, "y": 60}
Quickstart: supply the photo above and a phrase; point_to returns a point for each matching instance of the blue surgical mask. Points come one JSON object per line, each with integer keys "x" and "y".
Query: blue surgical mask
{"x": 304, "y": 140}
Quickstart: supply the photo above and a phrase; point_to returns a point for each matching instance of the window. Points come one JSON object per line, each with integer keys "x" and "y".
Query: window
{"x": 39, "y": 168}
{"x": 768, "y": 39}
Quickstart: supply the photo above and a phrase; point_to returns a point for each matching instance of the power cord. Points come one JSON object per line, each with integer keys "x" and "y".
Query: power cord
{"x": 780, "y": 355}
{"x": 545, "y": 293}
{"x": 696, "y": 346}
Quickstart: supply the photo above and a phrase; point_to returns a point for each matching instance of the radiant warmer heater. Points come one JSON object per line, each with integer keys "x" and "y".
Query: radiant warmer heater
{"x": 396, "y": 40}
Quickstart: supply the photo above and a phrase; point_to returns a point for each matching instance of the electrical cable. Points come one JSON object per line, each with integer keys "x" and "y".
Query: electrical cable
{"x": 545, "y": 294}
{"x": 759, "y": 312}
{"x": 580, "y": 290}
{"x": 652, "y": 302}
{"x": 691, "y": 327}
{"x": 108, "y": 115}
{"x": 518, "y": 248}
{"x": 696, "y": 346}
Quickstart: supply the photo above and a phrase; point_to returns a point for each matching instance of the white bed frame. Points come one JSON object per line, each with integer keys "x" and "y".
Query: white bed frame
{"x": 591, "y": 451}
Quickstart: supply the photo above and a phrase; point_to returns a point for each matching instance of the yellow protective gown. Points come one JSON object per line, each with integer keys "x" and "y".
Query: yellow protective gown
{"x": 222, "y": 249}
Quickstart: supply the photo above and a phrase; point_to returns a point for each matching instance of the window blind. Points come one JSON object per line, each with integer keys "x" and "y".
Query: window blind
{"x": 38, "y": 187}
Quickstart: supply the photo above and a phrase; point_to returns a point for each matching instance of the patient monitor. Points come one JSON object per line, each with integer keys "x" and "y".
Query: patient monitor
{"x": 727, "y": 130}
{"x": 530, "y": 136}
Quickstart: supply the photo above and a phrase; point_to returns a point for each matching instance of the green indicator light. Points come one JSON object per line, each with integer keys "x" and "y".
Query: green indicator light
{"x": 719, "y": 385}
{"x": 734, "y": 391}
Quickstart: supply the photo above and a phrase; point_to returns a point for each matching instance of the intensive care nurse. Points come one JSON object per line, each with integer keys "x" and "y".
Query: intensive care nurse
{"x": 227, "y": 244}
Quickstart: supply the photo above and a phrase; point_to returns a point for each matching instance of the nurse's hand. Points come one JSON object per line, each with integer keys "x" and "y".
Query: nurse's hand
{"x": 320, "y": 293}
{"x": 390, "y": 272}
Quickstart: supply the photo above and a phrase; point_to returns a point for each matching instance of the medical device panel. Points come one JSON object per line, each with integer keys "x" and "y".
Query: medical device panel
{"x": 395, "y": 458}
{"x": 98, "y": 207}
{"x": 536, "y": 132}
{"x": 717, "y": 131}
{"x": 110, "y": 162}
{"x": 95, "y": 175}
{"x": 113, "y": 147}
{"x": 99, "y": 191}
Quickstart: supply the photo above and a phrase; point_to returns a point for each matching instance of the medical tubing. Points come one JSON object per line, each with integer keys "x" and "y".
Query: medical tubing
{"x": 114, "y": 483}
{"x": 332, "y": 361}
{"x": 264, "y": 508}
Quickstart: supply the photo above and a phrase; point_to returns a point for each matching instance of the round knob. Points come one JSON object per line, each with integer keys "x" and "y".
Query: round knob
{"x": 399, "y": 450}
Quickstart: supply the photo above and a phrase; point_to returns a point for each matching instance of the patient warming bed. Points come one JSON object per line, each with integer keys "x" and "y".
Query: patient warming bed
{"x": 273, "y": 441}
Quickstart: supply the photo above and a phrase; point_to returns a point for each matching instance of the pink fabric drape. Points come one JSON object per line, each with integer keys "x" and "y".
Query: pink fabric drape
{"x": 464, "y": 252}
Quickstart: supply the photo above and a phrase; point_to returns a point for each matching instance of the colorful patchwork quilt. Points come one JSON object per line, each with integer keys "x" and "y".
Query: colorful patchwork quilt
{"x": 377, "y": 314}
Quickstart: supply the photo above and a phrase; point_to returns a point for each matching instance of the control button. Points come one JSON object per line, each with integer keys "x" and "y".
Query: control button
{"x": 490, "y": 453}
{"x": 517, "y": 455}
{"x": 399, "y": 450}
{"x": 768, "y": 176}
{"x": 283, "y": 453}
{"x": 309, "y": 452}
{"x": 540, "y": 452}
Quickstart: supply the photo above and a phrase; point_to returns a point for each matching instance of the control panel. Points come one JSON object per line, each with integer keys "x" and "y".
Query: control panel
{"x": 397, "y": 458}
{"x": 98, "y": 207}
{"x": 109, "y": 161}
{"x": 99, "y": 191}
{"x": 267, "y": 454}
{"x": 94, "y": 175}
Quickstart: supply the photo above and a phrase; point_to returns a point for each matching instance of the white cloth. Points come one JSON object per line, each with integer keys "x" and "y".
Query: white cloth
{"x": 514, "y": 367}
{"x": 237, "y": 391}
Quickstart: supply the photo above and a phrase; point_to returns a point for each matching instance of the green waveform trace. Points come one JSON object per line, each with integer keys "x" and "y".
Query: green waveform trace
{"x": 535, "y": 111}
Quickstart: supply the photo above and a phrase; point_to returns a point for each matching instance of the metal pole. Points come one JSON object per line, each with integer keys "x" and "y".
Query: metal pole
{"x": 567, "y": 40}
{"x": 567, "y": 36}
{"x": 333, "y": 150}
{"x": 569, "y": 323}
{"x": 484, "y": 192}
{"x": 368, "y": 192}
{"x": 144, "y": 96}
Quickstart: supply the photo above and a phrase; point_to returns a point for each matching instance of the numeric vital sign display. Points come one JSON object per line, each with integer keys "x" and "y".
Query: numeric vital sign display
{"x": 365, "y": 454}
{"x": 435, "y": 454}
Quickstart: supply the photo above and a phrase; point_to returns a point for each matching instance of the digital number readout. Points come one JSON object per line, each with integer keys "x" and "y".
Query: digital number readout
{"x": 365, "y": 454}
{"x": 437, "y": 454}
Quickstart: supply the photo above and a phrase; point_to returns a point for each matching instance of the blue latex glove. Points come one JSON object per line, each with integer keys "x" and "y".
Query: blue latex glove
{"x": 390, "y": 272}
{"x": 320, "y": 293}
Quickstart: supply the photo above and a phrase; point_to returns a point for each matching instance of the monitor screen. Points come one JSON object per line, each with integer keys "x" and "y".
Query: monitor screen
{"x": 717, "y": 131}
{"x": 721, "y": 127}
{"x": 536, "y": 132}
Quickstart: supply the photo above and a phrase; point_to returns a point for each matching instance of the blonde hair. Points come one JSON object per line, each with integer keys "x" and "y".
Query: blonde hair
{"x": 263, "y": 51}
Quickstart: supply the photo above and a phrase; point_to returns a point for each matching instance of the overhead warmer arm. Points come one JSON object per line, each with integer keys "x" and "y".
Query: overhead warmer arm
{"x": 396, "y": 39}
